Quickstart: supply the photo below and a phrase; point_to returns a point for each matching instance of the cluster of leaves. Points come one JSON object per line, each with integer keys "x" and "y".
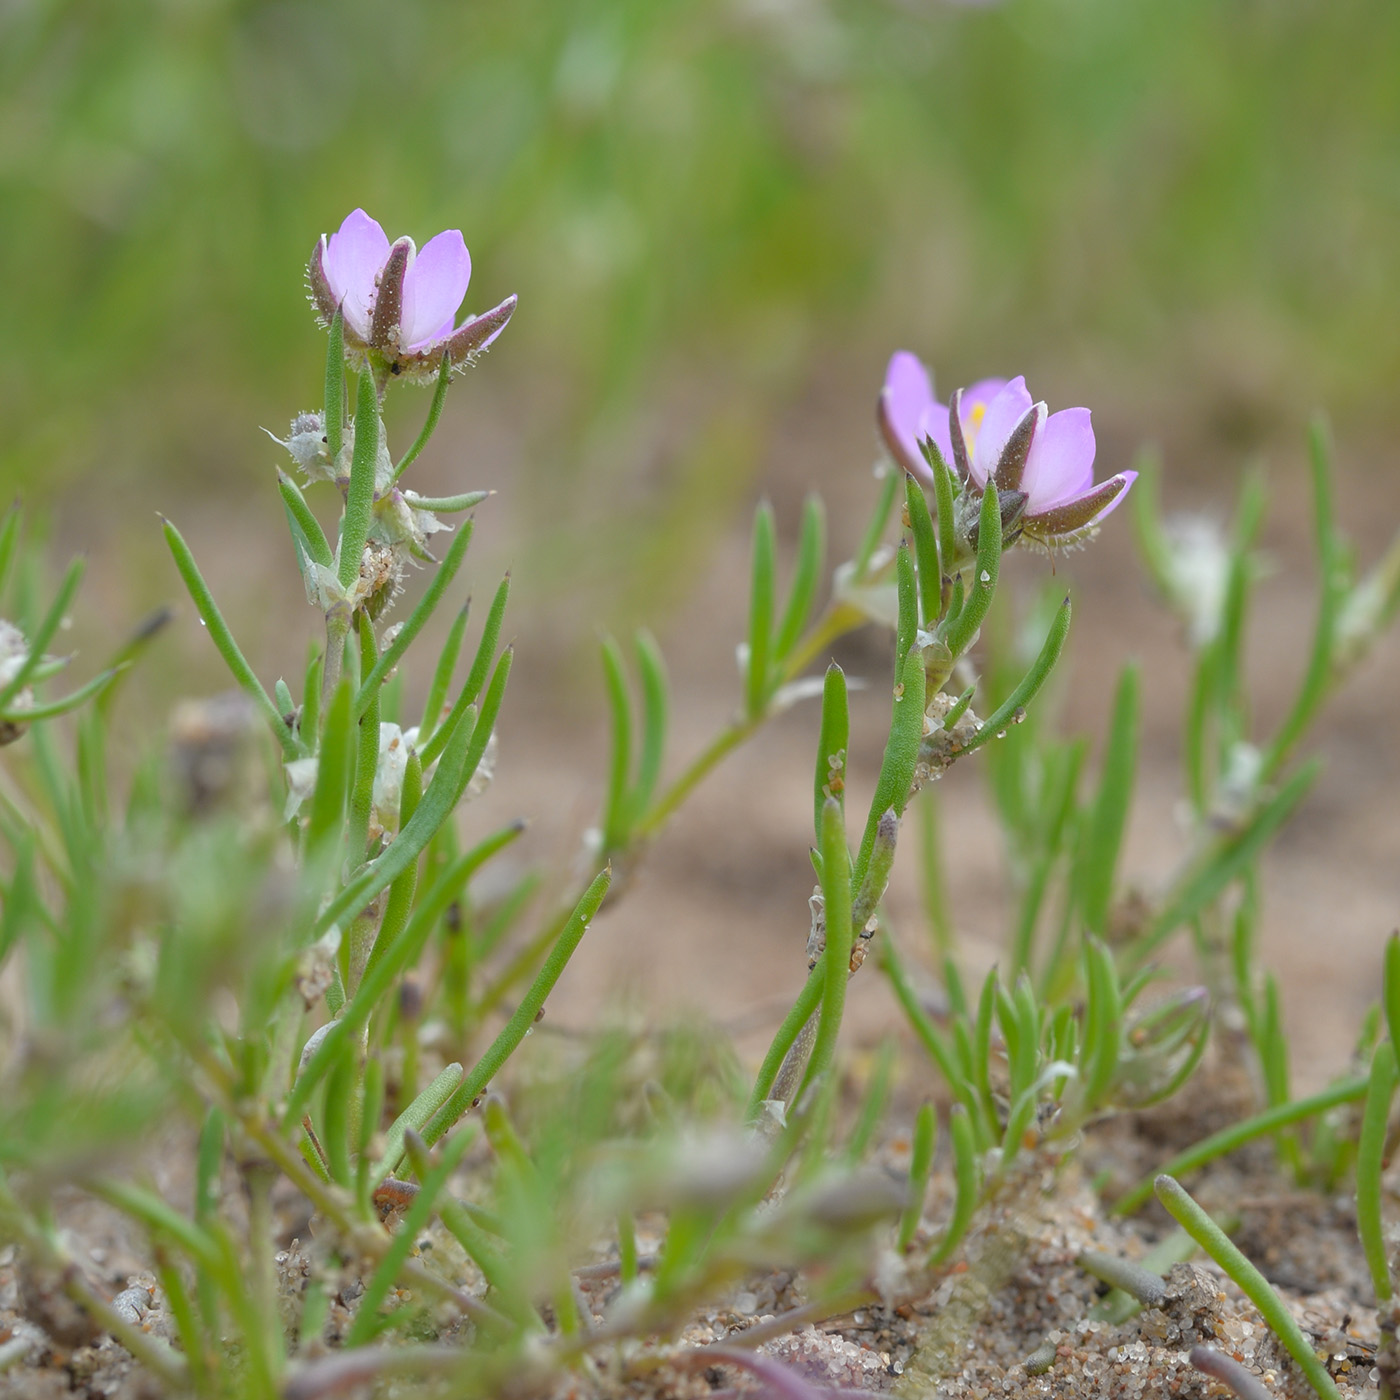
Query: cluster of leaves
{"x": 275, "y": 983}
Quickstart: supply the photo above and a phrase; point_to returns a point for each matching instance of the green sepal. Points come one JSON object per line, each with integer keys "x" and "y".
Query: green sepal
{"x": 945, "y": 492}
{"x": 964, "y": 625}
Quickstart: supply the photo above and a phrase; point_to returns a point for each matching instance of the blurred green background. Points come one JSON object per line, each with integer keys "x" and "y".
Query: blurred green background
{"x": 720, "y": 216}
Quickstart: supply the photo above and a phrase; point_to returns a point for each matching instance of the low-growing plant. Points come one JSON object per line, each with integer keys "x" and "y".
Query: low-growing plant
{"x": 229, "y": 999}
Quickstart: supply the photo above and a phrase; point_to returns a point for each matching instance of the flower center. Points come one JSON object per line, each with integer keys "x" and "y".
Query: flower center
{"x": 972, "y": 422}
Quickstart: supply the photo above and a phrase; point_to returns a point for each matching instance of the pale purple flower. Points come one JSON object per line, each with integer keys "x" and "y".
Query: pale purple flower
{"x": 1019, "y": 447}
{"x": 994, "y": 432}
{"x": 908, "y": 413}
{"x": 400, "y": 303}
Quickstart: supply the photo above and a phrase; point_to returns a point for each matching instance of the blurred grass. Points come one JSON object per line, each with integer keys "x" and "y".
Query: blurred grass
{"x": 701, "y": 203}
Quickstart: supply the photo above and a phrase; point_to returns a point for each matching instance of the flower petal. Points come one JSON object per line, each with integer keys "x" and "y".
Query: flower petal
{"x": 987, "y": 437}
{"x": 976, "y": 398}
{"x": 1061, "y": 464}
{"x": 934, "y": 424}
{"x": 354, "y": 254}
{"x": 906, "y": 397}
{"x": 433, "y": 289}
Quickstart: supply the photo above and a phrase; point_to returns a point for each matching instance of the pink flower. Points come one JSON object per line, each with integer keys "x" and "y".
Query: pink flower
{"x": 1019, "y": 447}
{"x": 993, "y": 432}
{"x": 399, "y": 304}
{"x": 908, "y": 413}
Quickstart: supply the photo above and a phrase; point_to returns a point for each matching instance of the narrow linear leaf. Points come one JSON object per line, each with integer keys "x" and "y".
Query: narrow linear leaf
{"x": 505, "y": 1044}
{"x": 44, "y": 632}
{"x": 1370, "y": 1159}
{"x": 51, "y": 709}
{"x": 1007, "y": 712}
{"x": 901, "y": 756}
{"x": 1103, "y": 837}
{"x": 1224, "y": 863}
{"x": 831, "y": 744}
{"x": 761, "y": 601}
{"x": 925, "y": 552}
{"x": 1237, "y": 1134}
{"x": 836, "y": 891}
{"x": 429, "y": 423}
{"x": 442, "y": 673}
{"x": 811, "y": 549}
{"x": 620, "y": 762}
{"x": 223, "y": 640}
{"x": 464, "y": 500}
{"x": 986, "y": 567}
{"x": 1332, "y": 586}
{"x": 1252, "y": 1283}
{"x": 655, "y": 706}
{"x": 306, "y": 529}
